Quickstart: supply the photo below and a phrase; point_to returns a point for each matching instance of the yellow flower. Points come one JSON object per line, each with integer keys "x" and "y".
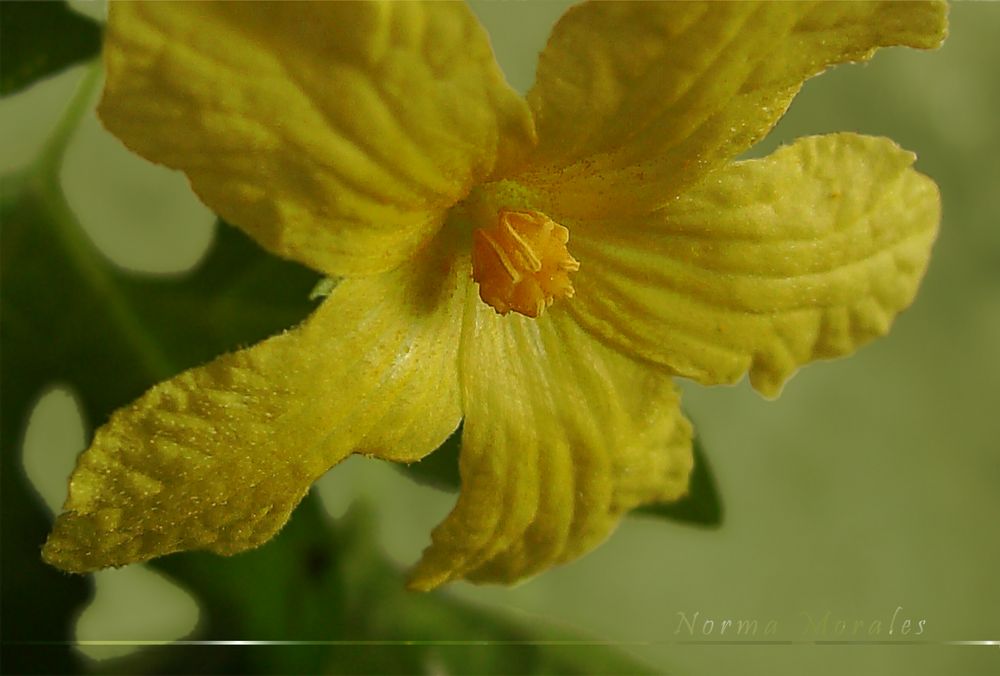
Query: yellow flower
{"x": 538, "y": 268}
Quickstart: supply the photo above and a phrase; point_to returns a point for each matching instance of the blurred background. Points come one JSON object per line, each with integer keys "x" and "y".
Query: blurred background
{"x": 870, "y": 490}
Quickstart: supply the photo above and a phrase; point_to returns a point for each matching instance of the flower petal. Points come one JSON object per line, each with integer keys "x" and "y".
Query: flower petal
{"x": 634, "y": 102}
{"x": 217, "y": 457}
{"x": 769, "y": 264}
{"x": 335, "y": 134}
{"x": 561, "y": 436}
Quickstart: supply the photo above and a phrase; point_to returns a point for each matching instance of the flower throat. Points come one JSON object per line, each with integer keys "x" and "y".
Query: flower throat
{"x": 521, "y": 263}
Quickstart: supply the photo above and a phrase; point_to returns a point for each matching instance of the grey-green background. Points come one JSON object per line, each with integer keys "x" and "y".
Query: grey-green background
{"x": 873, "y": 483}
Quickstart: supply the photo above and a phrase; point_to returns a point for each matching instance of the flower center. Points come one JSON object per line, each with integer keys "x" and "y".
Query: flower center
{"x": 521, "y": 263}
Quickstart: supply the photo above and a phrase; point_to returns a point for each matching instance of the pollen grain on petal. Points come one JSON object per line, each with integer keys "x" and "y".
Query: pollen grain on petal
{"x": 521, "y": 263}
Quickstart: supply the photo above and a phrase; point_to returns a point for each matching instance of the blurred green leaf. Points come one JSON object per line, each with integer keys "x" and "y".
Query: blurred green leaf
{"x": 702, "y": 506}
{"x": 70, "y": 316}
{"x": 38, "y": 39}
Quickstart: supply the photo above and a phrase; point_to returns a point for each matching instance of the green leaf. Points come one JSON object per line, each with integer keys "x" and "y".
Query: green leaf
{"x": 38, "y": 39}
{"x": 70, "y": 316}
{"x": 702, "y": 506}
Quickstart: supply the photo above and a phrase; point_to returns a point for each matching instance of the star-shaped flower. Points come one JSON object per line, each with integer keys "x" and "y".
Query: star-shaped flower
{"x": 538, "y": 268}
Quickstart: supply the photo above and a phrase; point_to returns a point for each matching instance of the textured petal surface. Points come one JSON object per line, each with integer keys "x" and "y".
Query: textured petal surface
{"x": 217, "y": 457}
{"x": 561, "y": 436}
{"x": 806, "y": 254}
{"x": 334, "y": 133}
{"x": 636, "y": 101}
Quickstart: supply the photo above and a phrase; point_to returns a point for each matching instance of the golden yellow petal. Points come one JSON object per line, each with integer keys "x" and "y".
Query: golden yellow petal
{"x": 561, "y": 436}
{"x": 636, "y": 101}
{"x": 767, "y": 265}
{"x": 217, "y": 457}
{"x": 334, "y": 133}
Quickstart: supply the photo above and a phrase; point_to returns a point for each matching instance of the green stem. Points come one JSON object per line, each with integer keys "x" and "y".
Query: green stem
{"x": 46, "y": 189}
{"x": 50, "y": 160}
